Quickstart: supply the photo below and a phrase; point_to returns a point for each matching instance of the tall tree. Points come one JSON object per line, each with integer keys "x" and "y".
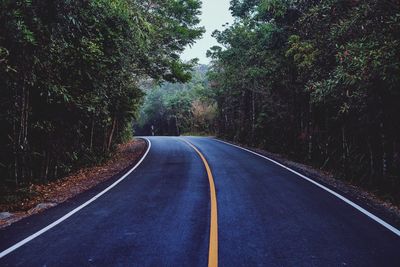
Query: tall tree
{"x": 318, "y": 80}
{"x": 70, "y": 74}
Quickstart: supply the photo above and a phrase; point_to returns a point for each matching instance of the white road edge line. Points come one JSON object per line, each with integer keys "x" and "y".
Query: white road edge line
{"x": 351, "y": 203}
{"x": 69, "y": 214}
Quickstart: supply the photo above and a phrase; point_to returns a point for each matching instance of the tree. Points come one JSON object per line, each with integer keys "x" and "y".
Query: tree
{"x": 317, "y": 80}
{"x": 174, "y": 109}
{"x": 70, "y": 75}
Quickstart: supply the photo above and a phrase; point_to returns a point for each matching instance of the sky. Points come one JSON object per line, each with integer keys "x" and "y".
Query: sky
{"x": 215, "y": 13}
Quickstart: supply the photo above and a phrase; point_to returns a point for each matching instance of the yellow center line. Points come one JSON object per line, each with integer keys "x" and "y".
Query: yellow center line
{"x": 213, "y": 247}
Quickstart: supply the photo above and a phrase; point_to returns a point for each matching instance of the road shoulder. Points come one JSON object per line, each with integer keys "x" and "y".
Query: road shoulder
{"x": 84, "y": 180}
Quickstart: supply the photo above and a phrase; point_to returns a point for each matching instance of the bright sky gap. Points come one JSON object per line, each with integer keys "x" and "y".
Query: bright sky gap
{"x": 215, "y": 13}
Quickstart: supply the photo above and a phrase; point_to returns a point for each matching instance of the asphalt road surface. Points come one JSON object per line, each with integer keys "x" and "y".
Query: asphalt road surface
{"x": 161, "y": 213}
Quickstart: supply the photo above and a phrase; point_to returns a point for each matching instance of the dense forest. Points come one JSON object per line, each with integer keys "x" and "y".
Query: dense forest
{"x": 178, "y": 108}
{"x": 317, "y": 80}
{"x": 70, "y": 74}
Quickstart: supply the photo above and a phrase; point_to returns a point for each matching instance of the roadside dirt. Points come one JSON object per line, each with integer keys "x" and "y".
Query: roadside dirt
{"x": 384, "y": 209}
{"x": 52, "y": 194}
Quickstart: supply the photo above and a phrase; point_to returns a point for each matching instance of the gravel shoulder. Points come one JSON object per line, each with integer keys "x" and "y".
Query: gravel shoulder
{"x": 49, "y": 195}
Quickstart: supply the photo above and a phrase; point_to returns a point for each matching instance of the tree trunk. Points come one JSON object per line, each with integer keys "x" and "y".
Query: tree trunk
{"x": 110, "y": 137}
{"x": 20, "y": 132}
{"x": 310, "y": 136}
{"x": 253, "y": 116}
{"x": 47, "y": 165}
{"x": 371, "y": 160}
{"x": 15, "y": 146}
{"x": 343, "y": 150}
{"x": 384, "y": 153}
{"x": 91, "y": 135}
{"x": 25, "y": 159}
{"x": 177, "y": 126}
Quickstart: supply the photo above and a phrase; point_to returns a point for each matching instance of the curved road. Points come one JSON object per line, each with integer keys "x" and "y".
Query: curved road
{"x": 160, "y": 214}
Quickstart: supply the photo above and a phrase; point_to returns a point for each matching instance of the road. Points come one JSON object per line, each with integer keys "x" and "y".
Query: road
{"x": 160, "y": 215}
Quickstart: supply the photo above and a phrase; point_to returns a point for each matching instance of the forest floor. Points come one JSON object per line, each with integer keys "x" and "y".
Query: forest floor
{"x": 365, "y": 198}
{"x": 42, "y": 197}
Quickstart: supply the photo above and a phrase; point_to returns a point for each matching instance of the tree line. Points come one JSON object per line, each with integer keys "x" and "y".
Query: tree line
{"x": 180, "y": 108}
{"x": 70, "y": 74}
{"x": 317, "y": 80}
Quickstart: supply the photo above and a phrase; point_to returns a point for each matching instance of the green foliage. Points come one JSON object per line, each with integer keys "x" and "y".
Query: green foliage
{"x": 318, "y": 80}
{"x": 175, "y": 109}
{"x": 304, "y": 54}
{"x": 70, "y": 74}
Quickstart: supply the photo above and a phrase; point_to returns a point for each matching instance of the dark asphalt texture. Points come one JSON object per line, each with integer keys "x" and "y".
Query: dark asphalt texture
{"x": 160, "y": 215}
